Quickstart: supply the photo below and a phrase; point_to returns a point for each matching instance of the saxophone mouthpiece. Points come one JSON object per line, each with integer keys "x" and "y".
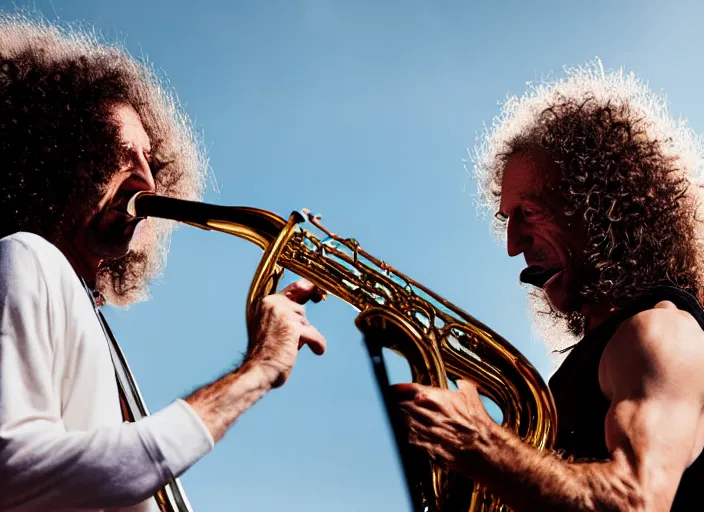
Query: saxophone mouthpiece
{"x": 131, "y": 207}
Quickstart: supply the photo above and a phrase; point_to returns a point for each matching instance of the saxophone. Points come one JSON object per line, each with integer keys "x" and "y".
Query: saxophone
{"x": 439, "y": 341}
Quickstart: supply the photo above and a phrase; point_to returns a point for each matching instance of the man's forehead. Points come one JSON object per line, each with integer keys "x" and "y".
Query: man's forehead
{"x": 528, "y": 177}
{"x": 533, "y": 195}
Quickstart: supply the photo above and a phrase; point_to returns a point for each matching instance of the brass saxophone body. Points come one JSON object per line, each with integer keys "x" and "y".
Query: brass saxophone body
{"x": 438, "y": 340}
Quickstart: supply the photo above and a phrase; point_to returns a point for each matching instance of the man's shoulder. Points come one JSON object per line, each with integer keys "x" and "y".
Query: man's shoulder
{"x": 663, "y": 323}
{"x": 22, "y": 245}
{"x": 30, "y": 241}
{"x": 28, "y": 260}
{"x": 662, "y": 342}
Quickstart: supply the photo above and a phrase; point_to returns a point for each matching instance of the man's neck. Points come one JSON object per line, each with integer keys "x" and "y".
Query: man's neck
{"x": 596, "y": 315}
{"x": 85, "y": 267}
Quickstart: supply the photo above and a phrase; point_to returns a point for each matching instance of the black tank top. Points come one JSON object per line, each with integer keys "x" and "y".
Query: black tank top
{"x": 582, "y": 407}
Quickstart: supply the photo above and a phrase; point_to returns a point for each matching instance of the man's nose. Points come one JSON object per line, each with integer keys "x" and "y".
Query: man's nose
{"x": 517, "y": 240}
{"x": 143, "y": 174}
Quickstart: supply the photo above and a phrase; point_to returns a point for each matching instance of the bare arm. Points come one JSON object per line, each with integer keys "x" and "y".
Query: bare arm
{"x": 220, "y": 404}
{"x": 651, "y": 372}
{"x": 281, "y": 330}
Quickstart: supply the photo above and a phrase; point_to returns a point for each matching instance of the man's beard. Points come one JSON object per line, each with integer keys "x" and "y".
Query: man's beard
{"x": 109, "y": 240}
{"x": 122, "y": 280}
{"x": 110, "y": 231}
{"x": 577, "y": 279}
{"x": 558, "y": 330}
{"x": 129, "y": 260}
{"x": 86, "y": 223}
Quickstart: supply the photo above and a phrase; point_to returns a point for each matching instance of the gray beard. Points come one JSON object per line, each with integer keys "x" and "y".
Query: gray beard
{"x": 107, "y": 244}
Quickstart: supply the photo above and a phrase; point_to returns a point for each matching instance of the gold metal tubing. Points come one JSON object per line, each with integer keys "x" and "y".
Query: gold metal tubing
{"x": 268, "y": 273}
{"x": 445, "y": 341}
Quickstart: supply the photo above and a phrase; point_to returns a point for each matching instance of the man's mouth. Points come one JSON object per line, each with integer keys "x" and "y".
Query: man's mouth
{"x": 538, "y": 276}
{"x": 116, "y": 218}
{"x": 121, "y": 207}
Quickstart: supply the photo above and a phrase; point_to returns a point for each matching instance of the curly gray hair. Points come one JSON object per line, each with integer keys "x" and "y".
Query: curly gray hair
{"x": 60, "y": 79}
{"x": 630, "y": 170}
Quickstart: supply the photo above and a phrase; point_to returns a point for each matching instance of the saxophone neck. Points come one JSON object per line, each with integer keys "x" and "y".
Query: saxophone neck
{"x": 258, "y": 226}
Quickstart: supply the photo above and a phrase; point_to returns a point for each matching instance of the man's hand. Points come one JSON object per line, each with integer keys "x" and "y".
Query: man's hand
{"x": 280, "y": 328}
{"x": 446, "y": 424}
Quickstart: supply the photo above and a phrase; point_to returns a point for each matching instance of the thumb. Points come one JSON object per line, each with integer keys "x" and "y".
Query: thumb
{"x": 466, "y": 386}
{"x": 302, "y": 291}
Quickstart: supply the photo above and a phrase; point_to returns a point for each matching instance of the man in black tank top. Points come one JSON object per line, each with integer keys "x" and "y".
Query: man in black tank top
{"x": 596, "y": 187}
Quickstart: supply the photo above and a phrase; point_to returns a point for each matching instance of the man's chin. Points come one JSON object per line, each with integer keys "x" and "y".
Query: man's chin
{"x": 555, "y": 291}
{"x": 111, "y": 243}
{"x": 109, "y": 248}
{"x": 111, "y": 253}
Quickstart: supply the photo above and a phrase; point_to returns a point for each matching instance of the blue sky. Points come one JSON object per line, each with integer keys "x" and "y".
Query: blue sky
{"x": 362, "y": 111}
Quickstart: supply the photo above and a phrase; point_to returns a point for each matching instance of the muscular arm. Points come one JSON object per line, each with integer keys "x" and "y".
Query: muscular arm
{"x": 529, "y": 480}
{"x": 651, "y": 372}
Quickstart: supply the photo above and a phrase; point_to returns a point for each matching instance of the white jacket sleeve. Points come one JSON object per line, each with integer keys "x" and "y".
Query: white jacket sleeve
{"x": 42, "y": 465}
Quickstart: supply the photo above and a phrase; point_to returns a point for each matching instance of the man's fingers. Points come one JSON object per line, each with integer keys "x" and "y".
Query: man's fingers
{"x": 406, "y": 390}
{"x": 299, "y": 291}
{"x": 415, "y": 414}
{"x": 318, "y": 295}
{"x": 302, "y": 291}
{"x": 311, "y": 337}
{"x": 432, "y": 398}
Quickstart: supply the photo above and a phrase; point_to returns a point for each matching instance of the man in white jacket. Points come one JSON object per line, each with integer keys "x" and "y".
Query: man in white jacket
{"x": 82, "y": 128}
